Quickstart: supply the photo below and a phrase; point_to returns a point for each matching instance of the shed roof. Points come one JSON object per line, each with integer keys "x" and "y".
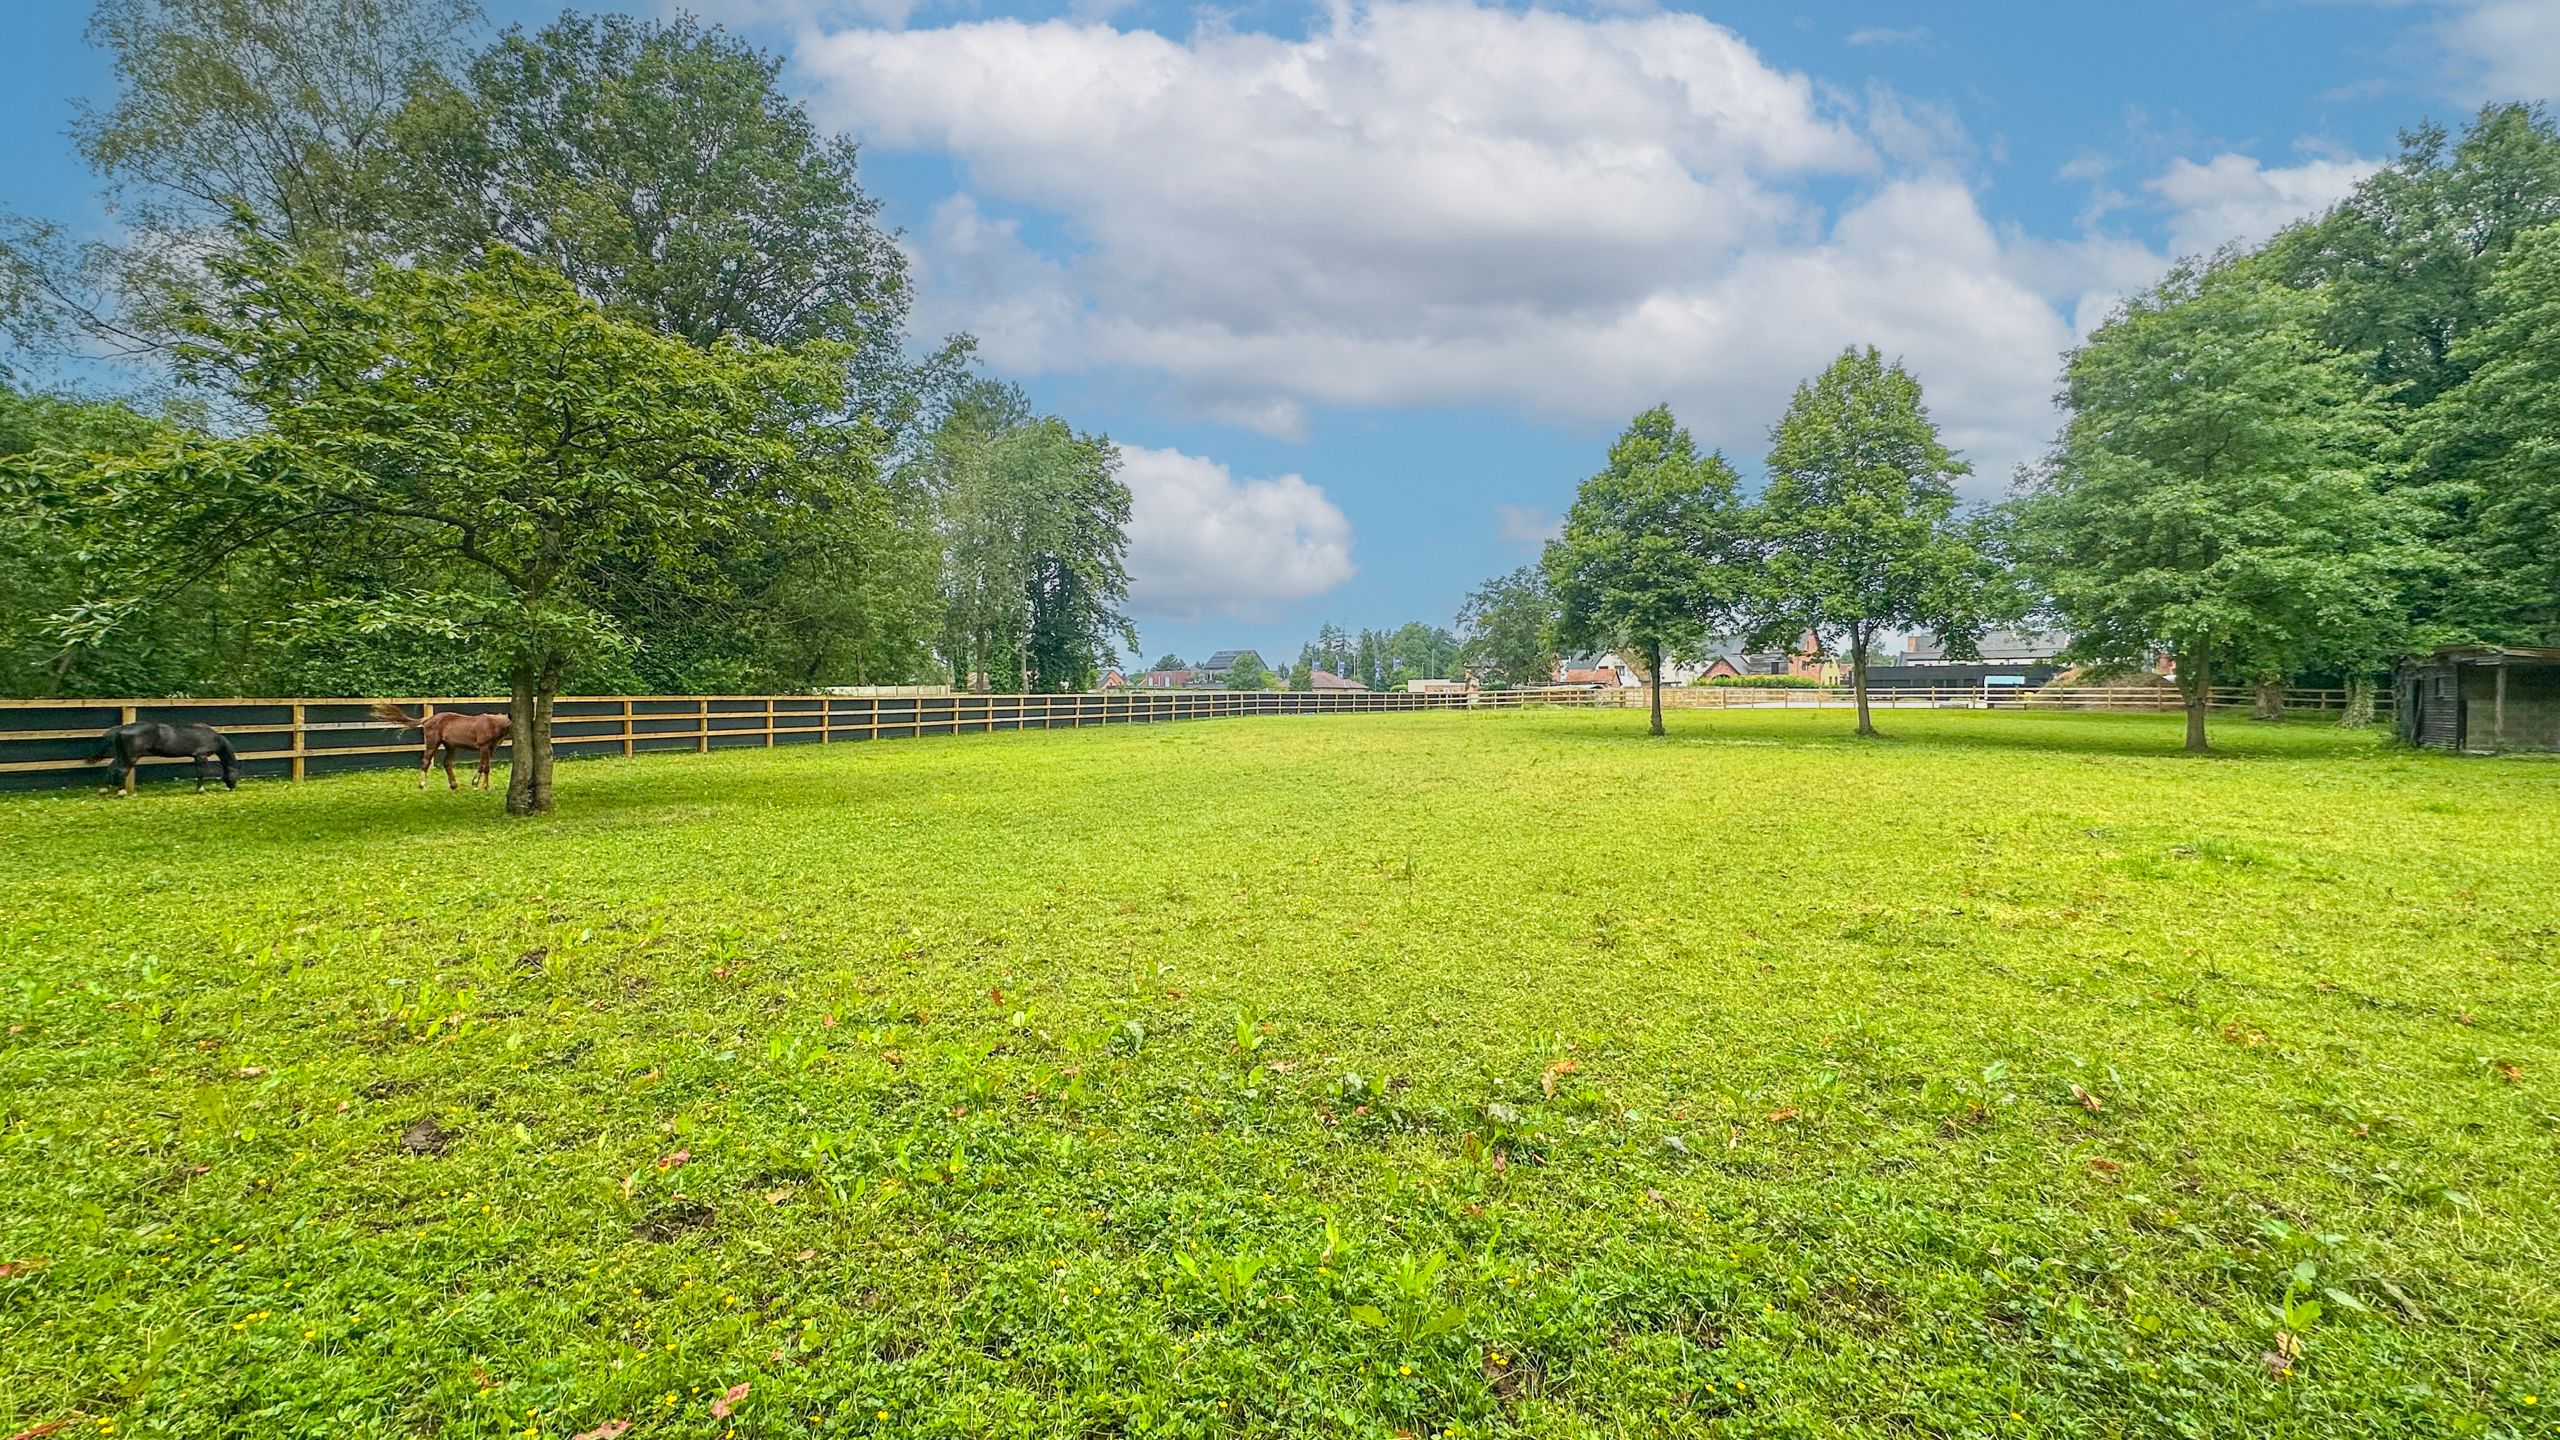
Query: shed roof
{"x": 2499, "y": 654}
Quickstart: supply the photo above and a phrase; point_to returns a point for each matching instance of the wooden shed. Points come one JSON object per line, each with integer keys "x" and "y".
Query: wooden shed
{"x": 2481, "y": 699}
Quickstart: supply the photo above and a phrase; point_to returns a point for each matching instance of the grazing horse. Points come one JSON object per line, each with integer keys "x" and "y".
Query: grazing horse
{"x": 127, "y": 744}
{"x": 450, "y": 731}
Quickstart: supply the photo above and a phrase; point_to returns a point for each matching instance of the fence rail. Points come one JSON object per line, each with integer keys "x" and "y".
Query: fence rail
{"x": 46, "y": 743}
{"x": 1965, "y": 697}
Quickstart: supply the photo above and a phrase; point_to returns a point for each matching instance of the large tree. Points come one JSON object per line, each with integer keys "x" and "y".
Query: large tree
{"x": 488, "y": 423}
{"x": 1034, "y": 522}
{"x": 1859, "y": 517}
{"x": 2214, "y": 495}
{"x": 1509, "y": 624}
{"x": 1655, "y": 554}
{"x": 2496, "y": 433}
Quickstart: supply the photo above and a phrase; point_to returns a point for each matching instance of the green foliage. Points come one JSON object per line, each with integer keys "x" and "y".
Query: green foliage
{"x": 1508, "y": 625}
{"x": 1034, "y": 525}
{"x": 654, "y": 163}
{"x": 2406, "y": 261}
{"x": 2498, "y": 430}
{"x": 1859, "y": 517}
{"x": 284, "y": 108}
{"x": 2214, "y": 495}
{"x": 1249, "y": 673}
{"x": 1654, "y": 554}
{"x": 329, "y": 1123}
{"x": 488, "y": 430}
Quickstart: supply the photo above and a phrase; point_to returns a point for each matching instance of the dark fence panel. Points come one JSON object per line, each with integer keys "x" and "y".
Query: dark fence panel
{"x": 43, "y": 743}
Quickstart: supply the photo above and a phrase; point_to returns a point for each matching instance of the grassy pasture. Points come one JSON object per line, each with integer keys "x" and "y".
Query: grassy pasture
{"x": 1466, "y": 1074}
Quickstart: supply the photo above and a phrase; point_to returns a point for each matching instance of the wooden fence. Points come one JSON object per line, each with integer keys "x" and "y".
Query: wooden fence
{"x": 44, "y": 743}
{"x": 1968, "y": 697}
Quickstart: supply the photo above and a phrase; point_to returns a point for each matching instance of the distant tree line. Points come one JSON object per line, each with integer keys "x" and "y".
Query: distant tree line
{"x": 575, "y": 357}
{"x": 2306, "y": 460}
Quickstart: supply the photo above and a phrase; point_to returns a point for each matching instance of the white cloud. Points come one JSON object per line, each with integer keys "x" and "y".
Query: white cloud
{"x": 1433, "y": 202}
{"x": 1527, "y": 524}
{"x": 1881, "y": 35}
{"x": 2233, "y": 197}
{"x": 2506, "y": 49}
{"x": 1203, "y": 543}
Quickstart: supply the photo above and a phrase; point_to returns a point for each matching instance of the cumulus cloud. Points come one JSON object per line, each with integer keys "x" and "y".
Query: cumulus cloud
{"x": 1882, "y": 35}
{"x": 1436, "y": 202}
{"x": 1203, "y": 543}
{"x": 2504, "y": 49}
{"x": 2234, "y": 198}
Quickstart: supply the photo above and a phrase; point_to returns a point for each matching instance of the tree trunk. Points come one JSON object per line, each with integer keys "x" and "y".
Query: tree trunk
{"x": 2195, "y": 685}
{"x": 529, "y": 758}
{"x": 2359, "y": 708}
{"x": 1858, "y": 681}
{"x": 1653, "y": 654}
{"x": 2268, "y": 702}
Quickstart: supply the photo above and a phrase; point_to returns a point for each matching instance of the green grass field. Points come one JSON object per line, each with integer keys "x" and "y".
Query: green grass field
{"x": 1443, "y": 1074}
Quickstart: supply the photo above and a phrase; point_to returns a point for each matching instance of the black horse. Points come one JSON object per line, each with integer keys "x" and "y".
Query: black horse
{"x": 127, "y": 744}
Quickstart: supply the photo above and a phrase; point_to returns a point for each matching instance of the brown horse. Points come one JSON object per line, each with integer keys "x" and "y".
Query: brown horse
{"x": 448, "y": 732}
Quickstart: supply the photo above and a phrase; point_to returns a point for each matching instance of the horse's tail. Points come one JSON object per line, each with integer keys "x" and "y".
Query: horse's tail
{"x": 391, "y": 714}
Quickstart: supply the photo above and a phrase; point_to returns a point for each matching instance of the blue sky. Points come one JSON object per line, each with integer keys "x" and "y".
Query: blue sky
{"x": 1363, "y": 291}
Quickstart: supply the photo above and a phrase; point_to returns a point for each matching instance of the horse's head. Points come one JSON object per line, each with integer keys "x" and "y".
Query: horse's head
{"x": 230, "y": 769}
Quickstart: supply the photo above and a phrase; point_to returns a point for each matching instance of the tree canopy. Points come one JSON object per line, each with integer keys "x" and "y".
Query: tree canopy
{"x": 487, "y": 433}
{"x": 1859, "y": 519}
{"x": 1655, "y": 553}
{"x": 2214, "y": 495}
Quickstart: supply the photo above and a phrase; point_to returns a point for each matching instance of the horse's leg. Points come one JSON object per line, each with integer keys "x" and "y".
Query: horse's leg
{"x": 426, "y": 758}
{"x": 204, "y": 769}
{"x": 488, "y": 756}
{"x": 449, "y": 782}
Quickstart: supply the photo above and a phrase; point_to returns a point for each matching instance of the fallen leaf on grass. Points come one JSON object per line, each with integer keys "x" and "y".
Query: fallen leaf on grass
{"x": 728, "y": 1400}
{"x": 806, "y": 1255}
{"x": 893, "y": 1057}
{"x": 2087, "y": 1101}
{"x": 609, "y": 1430}
{"x": 1780, "y": 1117}
{"x": 252, "y": 1072}
{"x": 674, "y": 1159}
{"x": 2510, "y": 1071}
{"x": 2102, "y": 1164}
{"x": 776, "y": 1197}
{"x": 2242, "y": 1036}
{"x": 1547, "y": 1078}
{"x": 13, "y": 1268}
{"x": 35, "y": 1432}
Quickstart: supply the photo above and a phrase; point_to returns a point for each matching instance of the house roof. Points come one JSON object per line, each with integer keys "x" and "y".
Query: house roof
{"x": 1224, "y": 659}
{"x": 2499, "y": 654}
{"x": 1327, "y": 680}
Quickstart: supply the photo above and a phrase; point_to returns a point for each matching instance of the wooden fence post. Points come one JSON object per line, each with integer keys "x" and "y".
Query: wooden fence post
{"x": 300, "y": 743}
{"x": 768, "y": 722}
{"x": 702, "y": 741}
{"x": 628, "y": 726}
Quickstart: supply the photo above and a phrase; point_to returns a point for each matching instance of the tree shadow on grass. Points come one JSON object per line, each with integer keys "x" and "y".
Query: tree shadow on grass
{"x": 2060, "y": 733}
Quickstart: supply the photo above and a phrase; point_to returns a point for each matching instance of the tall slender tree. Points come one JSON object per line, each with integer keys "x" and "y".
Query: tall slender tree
{"x": 1655, "y": 552}
{"x": 1860, "y": 520}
